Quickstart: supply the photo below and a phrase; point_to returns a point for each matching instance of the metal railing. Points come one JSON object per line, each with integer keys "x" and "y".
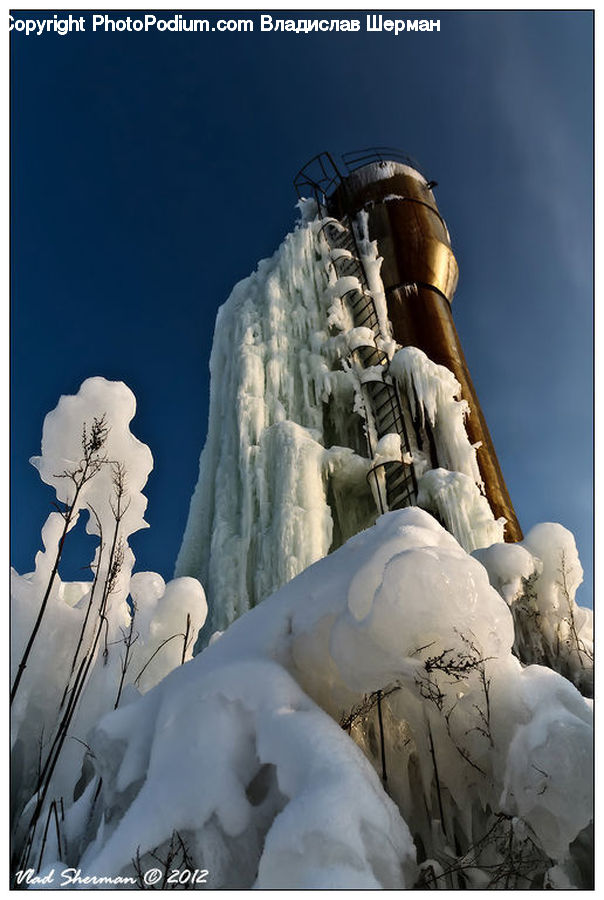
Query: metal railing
{"x": 320, "y": 176}
{"x": 355, "y": 159}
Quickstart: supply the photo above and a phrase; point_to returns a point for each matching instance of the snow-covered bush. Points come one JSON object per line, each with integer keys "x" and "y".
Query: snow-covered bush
{"x": 538, "y": 579}
{"x": 80, "y": 649}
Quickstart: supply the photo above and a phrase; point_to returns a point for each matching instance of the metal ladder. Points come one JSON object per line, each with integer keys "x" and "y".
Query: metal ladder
{"x": 396, "y": 485}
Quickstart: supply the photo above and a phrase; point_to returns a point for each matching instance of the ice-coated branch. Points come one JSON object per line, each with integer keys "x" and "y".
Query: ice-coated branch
{"x": 87, "y": 468}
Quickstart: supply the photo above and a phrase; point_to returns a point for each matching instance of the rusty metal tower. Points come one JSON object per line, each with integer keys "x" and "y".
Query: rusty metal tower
{"x": 420, "y": 274}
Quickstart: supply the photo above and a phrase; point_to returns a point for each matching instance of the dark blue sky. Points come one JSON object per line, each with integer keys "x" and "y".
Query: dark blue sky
{"x": 150, "y": 172}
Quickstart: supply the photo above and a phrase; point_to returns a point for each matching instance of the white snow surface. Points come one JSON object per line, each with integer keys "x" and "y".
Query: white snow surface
{"x": 267, "y": 791}
{"x": 360, "y": 337}
{"x": 388, "y": 449}
{"x": 62, "y": 451}
{"x": 538, "y": 578}
{"x": 379, "y": 171}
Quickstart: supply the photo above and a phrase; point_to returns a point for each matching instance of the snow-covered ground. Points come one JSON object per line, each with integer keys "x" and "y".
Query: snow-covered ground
{"x": 265, "y": 755}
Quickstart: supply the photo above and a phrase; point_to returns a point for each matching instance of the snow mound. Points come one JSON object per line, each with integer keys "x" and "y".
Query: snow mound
{"x": 398, "y": 637}
{"x": 113, "y": 404}
{"x": 260, "y": 780}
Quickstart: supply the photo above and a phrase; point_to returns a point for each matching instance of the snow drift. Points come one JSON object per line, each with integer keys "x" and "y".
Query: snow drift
{"x": 398, "y": 637}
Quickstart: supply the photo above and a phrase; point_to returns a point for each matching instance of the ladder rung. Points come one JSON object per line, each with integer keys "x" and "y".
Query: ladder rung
{"x": 386, "y": 407}
{"x": 388, "y": 401}
{"x": 397, "y": 483}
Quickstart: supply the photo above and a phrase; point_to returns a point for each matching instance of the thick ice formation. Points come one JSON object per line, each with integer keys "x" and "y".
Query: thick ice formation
{"x": 388, "y": 449}
{"x": 372, "y": 264}
{"x": 457, "y": 502}
{"x": 433, "y": 391}
{"x": 114, "y": 405}
{"x": 399, "y": 637}
{"x": 288, "y": 395}
{"x": 279, "y": 400}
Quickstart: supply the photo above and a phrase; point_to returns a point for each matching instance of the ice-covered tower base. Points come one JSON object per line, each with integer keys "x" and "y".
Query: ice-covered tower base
{"x": 319, "y": 421}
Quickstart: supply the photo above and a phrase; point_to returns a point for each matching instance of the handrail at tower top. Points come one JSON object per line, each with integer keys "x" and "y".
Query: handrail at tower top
{"x": 355, "y": 159}
{"x": 321, "y": 175}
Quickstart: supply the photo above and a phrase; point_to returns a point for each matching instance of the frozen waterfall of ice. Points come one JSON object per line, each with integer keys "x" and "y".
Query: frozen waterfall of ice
{"x": 268, "y": 381}
{"x": 283, "y": 474}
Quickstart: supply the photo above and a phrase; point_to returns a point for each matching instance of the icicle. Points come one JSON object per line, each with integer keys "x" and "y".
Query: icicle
{"x": 432, "y": 391}
{"x": 460, "y": 506}
{"x": 261, "y": 502}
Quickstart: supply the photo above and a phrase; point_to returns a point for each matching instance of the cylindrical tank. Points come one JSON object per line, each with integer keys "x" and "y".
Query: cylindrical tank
{"x": 414, "y": 242}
